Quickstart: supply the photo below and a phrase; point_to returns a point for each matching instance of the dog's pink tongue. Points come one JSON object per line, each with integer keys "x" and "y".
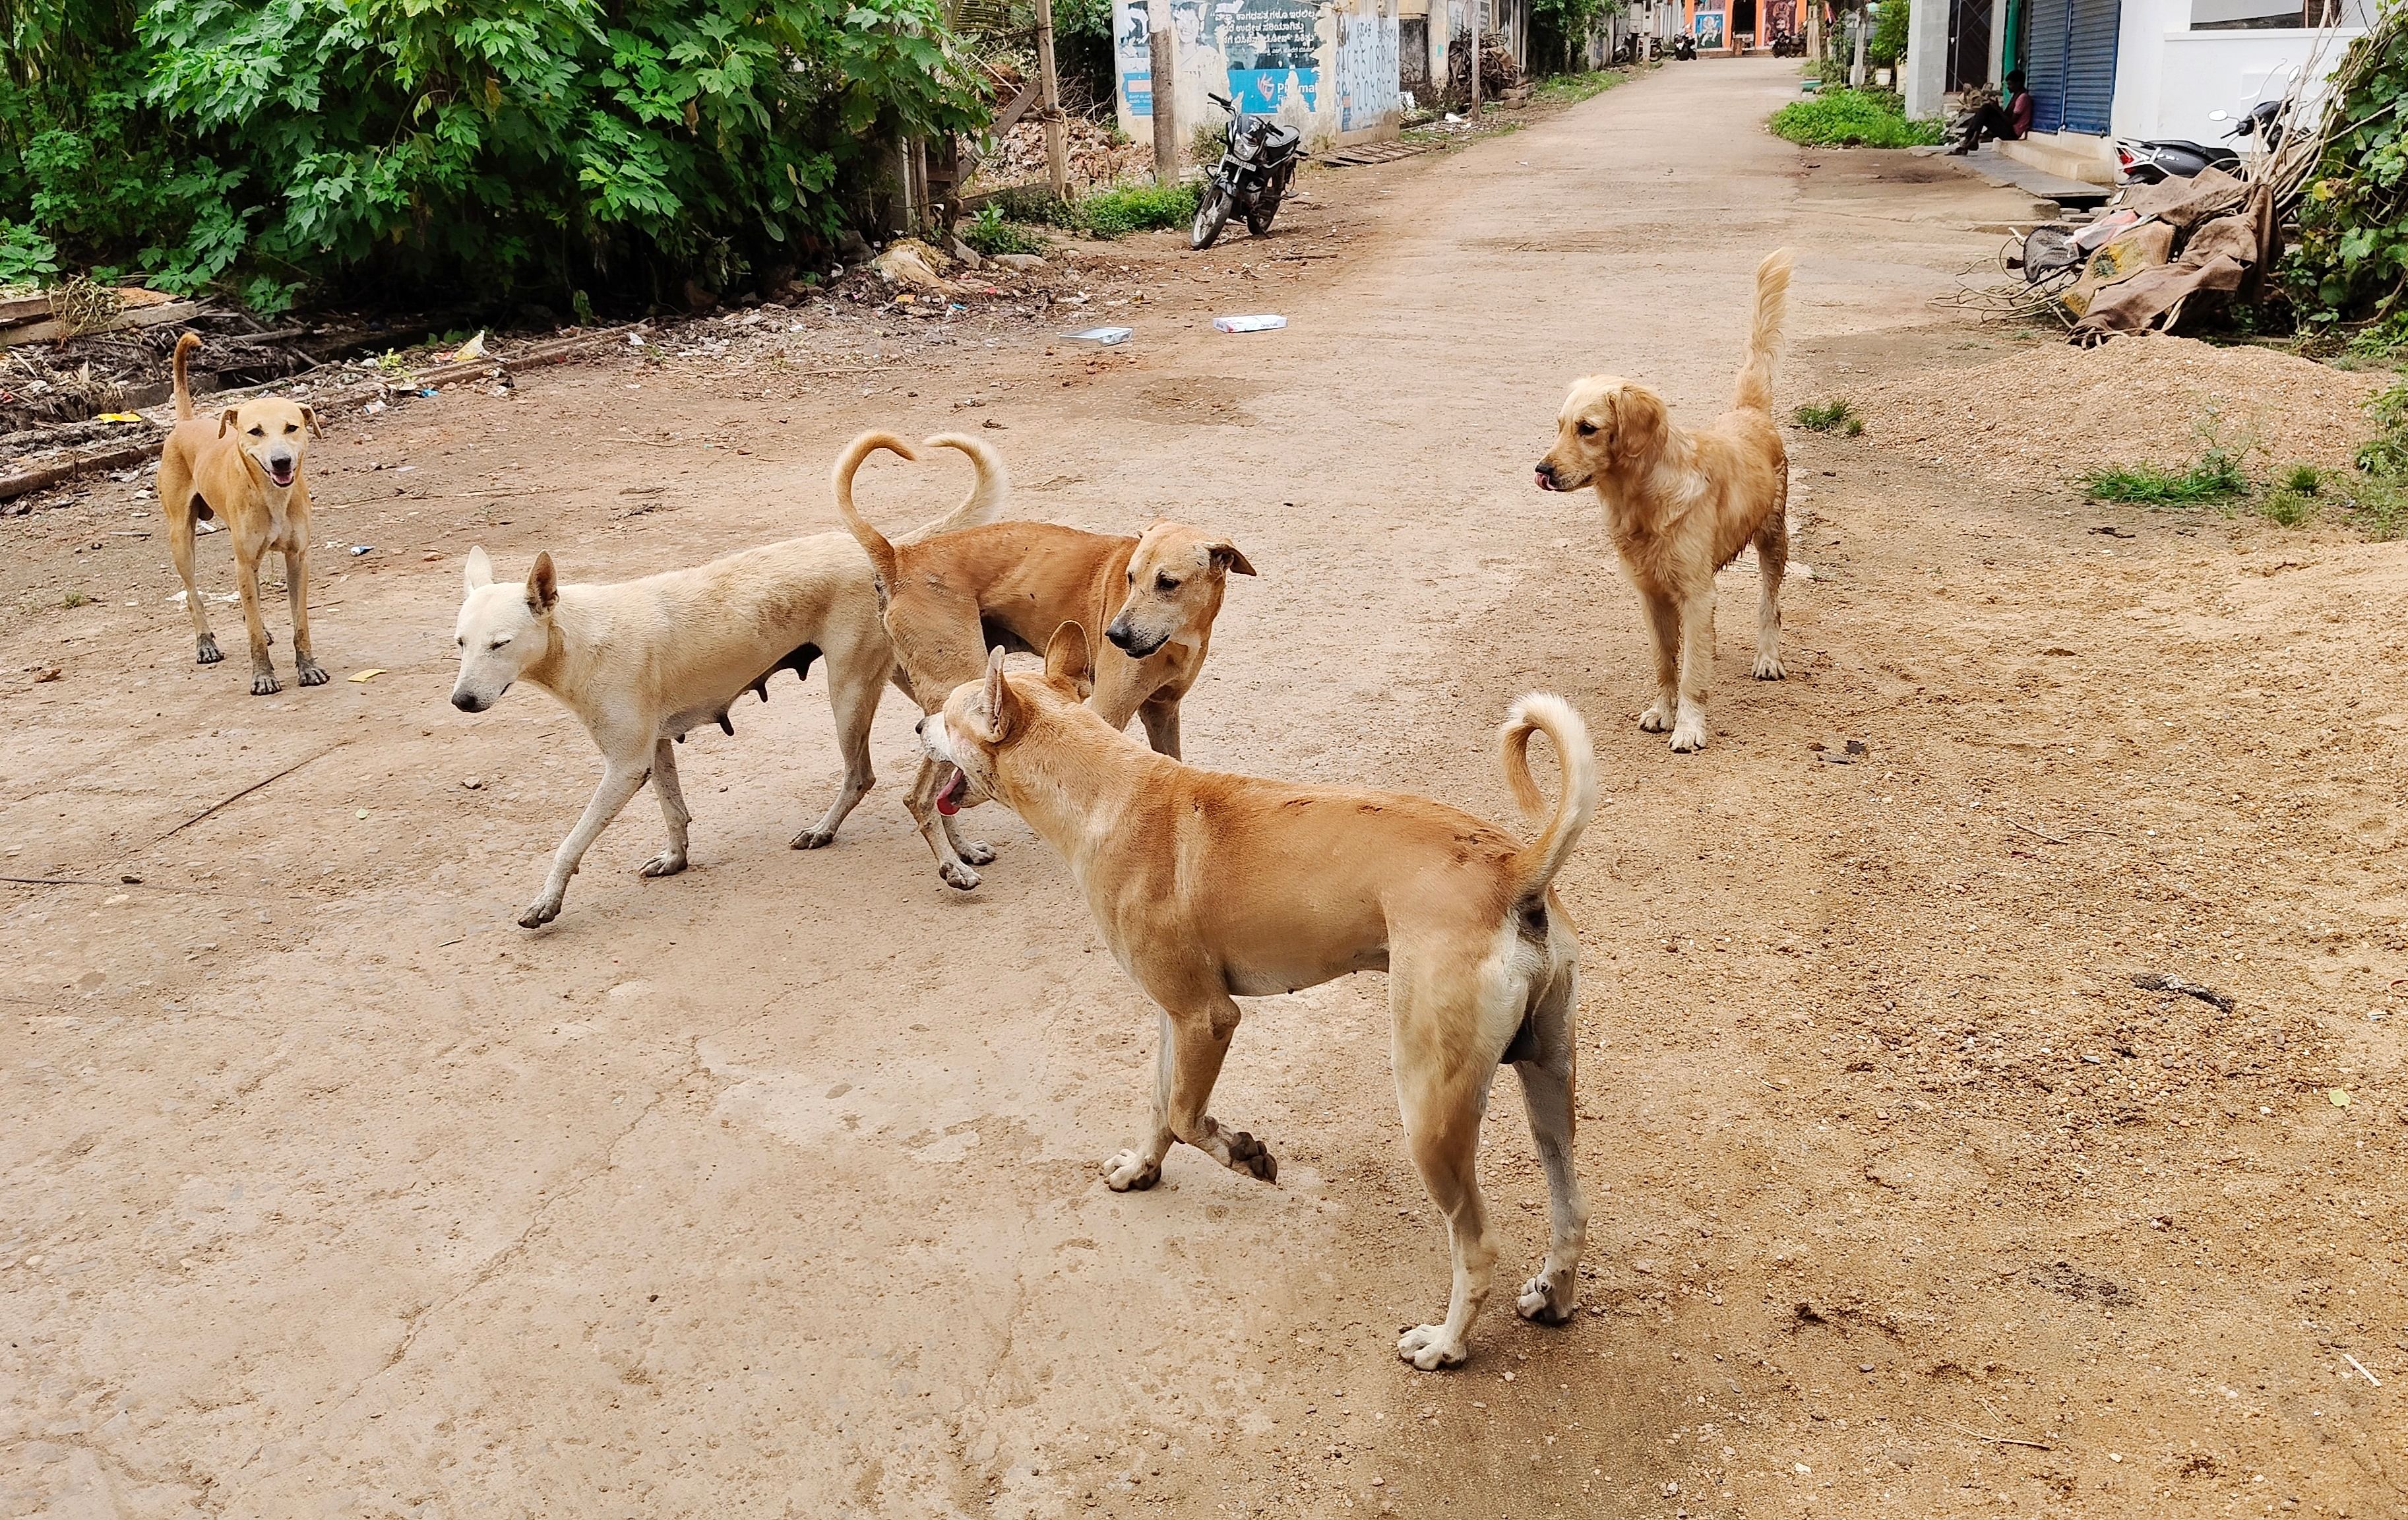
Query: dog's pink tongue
{"x": 1544, "y": 484}
{"x": 948, "y": 801}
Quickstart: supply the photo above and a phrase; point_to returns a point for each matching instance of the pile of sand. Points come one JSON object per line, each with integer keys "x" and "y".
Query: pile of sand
{"x": 2054, "y": 410}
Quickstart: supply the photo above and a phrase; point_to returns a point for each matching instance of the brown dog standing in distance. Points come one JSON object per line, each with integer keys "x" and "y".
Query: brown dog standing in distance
{"x": 243, "y": 468}
{"x": 1682, "y": 505}
{"x": 947, "y": 598}
{"x": 1211, "y": 887}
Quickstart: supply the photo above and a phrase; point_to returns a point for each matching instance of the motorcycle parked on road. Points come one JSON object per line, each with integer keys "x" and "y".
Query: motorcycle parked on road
{"x": 1258, "y": 161}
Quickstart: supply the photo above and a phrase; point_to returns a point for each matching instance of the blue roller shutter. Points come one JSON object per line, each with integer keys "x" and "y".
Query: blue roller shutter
{"x": 2090, "y": 65}
{"x": 2044, "y": 64}
{"x": 2070, "y": 64}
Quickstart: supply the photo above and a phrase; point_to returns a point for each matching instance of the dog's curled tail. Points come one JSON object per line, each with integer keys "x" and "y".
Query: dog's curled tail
{"x": 1763, "y": 338}
{"x": 1543, "y": 712}
{"x": 184, "y": 345}
{"x": 988, "y": 493}
{"x": 848, "y": 464}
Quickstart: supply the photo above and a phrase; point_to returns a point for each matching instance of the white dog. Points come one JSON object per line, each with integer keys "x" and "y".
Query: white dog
{"x": 641, "y": 662}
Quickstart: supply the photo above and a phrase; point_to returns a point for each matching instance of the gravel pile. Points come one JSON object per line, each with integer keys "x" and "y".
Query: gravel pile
{"x": 2054, "y": 410}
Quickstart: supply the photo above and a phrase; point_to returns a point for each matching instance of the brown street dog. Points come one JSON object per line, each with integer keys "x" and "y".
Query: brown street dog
{"x": 243, "y": 468}
{"x": 948, "y": 598}
{"x": 1682, "y": 505}
{"x": 1209, "y": 886}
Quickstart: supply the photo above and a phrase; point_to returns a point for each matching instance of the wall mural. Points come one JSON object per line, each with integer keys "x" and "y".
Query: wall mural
{"x": 1268, "y": 56}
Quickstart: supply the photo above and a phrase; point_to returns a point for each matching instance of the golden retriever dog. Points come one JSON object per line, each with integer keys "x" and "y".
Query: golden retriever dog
{"x": 242, "y": 467}
{"x": 1682, "y": 505}
{"x": 1209, "y": 886}
{"x": 947, "y": 598}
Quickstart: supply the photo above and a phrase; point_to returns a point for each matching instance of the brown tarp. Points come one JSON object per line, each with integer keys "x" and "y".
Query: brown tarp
{"x": 2219, "y": 256}
{"x": 2186, "y": 203}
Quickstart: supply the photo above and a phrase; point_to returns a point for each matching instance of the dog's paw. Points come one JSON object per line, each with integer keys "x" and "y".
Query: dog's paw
{"x": 263, "y": 684}
{"x": 667, "y": 863}
{"x": 313, "y": 674}
{"x": 207, "y": 652}
{"x": 1427, "y": 1347}
{"x": 958, "y": 875}
{"x": 1129, "y": 1172}
{"x": 539, "y": 913}
{"x": 1689, "y": 736}
{"x": 1768, "y": 668}
{"x": 1655, "y": 718}
{"x": 1250, "y": 1155}
{"x": 813, "y": 838}
{"x": 976, "y": 852}
{"x": 1539, "y": 1302}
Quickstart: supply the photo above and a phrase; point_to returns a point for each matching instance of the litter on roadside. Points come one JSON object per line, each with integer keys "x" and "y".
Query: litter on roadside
{"x": 1104, "y": 336}
{"x": 1262, "y": 324}
{"x": 368, "y": 675}
{"x": 473, "y": 348}
{"x": 358, "y": 550}
{"x": 120, "y": 417}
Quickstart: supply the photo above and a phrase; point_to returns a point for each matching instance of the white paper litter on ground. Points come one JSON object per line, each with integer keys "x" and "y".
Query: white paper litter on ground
{"x": 1262, "y": 324}
{"x": 1106, "y": 336}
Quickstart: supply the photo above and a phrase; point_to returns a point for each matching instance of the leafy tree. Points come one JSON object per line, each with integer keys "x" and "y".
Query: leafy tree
{"x": 492, "y": 147}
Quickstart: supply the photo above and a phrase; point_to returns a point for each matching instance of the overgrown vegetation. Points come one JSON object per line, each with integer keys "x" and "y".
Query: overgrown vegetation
{"x": 1559, "y": 27}
{"x": 1853, "y": 119}
{"x": 2350, "y": 263}
{"x": 1571, "y": 89}
{"x": 1128, "y": 209}
{"x": 1886, "y": 44}
{"x": 492, "y": 148}
{"x": 2215, "y": 476}
{"x": 1838, "y": 415}
{"x": 1115, "y": 213}
{"x": 990, "y": 233}
{"x": 2371, "y": 498}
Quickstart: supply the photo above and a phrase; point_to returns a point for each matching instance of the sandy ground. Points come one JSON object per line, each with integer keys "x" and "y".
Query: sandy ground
{"x": 772, "y": 1189}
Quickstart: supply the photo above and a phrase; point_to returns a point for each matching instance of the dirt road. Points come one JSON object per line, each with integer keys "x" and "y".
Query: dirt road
{"x": 772, "y": 1189}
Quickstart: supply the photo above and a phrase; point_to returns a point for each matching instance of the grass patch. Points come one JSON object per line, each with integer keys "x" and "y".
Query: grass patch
{"x": 1838, "y": 415}
{"x": 2293, "y": 500}
{"x": 1853, "y": 119}
{"x": 1571, "y": 89}
{"x": 75, "y": 599}
{"x": 2217, "y": 477}
{"x": 990, "y": 233}
{"x": 1128, "y": 209}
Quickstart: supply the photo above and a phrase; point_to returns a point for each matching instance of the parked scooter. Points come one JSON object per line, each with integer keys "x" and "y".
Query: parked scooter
{"x": 2153, "y": 160}
{"x": 1684, "y": 46}
{"x": 1259, "y": 160}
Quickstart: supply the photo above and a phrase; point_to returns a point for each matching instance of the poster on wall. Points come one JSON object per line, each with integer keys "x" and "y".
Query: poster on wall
{"x": 1710, "y": 29}
{"x": 1262, "y": 53}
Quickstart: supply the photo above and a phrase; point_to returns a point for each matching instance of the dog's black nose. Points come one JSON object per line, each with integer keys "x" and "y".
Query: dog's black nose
{"x": 921, "y": 726}
{"x": 466, "y": 702}
{"x": 1118, "y": 632}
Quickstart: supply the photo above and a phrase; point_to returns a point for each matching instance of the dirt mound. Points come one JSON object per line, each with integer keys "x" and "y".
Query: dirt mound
{"x": 2053, "y": 410}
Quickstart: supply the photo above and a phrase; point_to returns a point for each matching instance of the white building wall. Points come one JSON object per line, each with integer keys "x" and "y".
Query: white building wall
{"x": 2169, "y": 77}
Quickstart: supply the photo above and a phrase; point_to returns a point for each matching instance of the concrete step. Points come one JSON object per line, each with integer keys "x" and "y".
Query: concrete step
{"x": 1993, "y": 165}
{"x": 2068, "y": 155}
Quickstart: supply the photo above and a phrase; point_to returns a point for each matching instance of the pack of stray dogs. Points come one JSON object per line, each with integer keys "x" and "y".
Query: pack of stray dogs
{"x": 1208, "y": 887}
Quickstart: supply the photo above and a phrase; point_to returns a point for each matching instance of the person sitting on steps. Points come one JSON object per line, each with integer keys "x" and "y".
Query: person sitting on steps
{"x": 2010, "y": 122}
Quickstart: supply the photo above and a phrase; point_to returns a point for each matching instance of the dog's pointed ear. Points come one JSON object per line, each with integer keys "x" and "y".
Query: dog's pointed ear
{"x": 309, "y": 417}
{"x": 481, "y": 569}
{"x": 1226, "y": 557}
{"x": 225, "y": 419}
{"x": 1067, "y": 657}
{"x": 998, "y": 708}
{"x": 542, "y": 588}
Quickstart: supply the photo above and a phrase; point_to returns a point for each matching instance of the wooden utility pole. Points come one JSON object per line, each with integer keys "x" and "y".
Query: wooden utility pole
{"x": 1058, "y": 153}
{"x": 1166, "y": 106}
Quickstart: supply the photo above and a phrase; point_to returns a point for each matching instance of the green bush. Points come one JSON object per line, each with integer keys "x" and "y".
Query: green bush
{"x": 2350, "y": 260}
{"x": 1851, "y": 119}
{"x": 989, "y": 232}
{"x": 1887, "y": 43}
{"x": 1128, "y": 209}
{"x": 472, "y": 147}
